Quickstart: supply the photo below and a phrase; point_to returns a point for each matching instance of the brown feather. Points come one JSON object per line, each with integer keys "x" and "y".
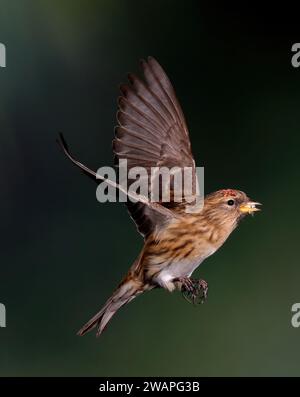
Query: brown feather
{"x": 151, "y": 132}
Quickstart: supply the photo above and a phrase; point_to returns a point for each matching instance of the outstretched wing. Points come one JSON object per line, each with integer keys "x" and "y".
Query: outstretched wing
{"x": 159, "y": 214}
{"x": 151, "y": 132}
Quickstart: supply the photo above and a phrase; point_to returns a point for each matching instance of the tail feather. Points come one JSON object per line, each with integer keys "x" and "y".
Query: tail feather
{"x": 126, "y": 291}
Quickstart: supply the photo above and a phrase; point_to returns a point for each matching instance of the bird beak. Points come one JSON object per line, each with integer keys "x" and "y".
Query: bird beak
{"x": 249, "y": 207}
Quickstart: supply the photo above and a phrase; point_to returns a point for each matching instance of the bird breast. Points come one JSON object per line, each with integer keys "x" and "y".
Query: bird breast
{"x": 179, "y": 248}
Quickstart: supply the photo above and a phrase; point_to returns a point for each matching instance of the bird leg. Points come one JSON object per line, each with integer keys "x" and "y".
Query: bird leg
{"x": 194, "y": 291}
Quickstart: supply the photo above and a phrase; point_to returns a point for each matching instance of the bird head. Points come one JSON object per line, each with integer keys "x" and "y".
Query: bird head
{"x": 229, "y": 205}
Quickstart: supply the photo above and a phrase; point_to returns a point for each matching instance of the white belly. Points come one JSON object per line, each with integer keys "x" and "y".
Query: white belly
{"x": 165, "y": 278}
{"x": 181, "y": 269}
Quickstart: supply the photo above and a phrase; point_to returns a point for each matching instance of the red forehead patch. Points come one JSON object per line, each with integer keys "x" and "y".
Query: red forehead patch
{"x": 228, "y": 192}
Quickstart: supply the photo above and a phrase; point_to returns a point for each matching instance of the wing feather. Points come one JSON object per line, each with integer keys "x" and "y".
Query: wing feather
{"x": 151, "y": 132}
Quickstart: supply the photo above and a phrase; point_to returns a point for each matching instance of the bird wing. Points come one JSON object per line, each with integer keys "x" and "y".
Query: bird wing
{"x": 154, "y": 210}
{"x": 151, "y": 132}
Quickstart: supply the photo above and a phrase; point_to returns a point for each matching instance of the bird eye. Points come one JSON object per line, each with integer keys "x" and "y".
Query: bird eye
{"x": 230, "y": 202}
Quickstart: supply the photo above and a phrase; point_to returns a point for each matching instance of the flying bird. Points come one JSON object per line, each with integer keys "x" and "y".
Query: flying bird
{"x": 152, "y": 132}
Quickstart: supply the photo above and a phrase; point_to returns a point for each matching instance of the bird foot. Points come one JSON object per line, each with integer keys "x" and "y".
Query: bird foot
{"x": 194, "y": 291}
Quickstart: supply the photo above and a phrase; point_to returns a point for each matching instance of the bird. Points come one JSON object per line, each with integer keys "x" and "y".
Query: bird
{"x": 151, "y": 131}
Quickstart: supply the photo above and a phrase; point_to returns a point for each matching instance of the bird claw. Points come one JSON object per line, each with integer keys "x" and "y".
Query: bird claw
{"x": 194, "y": 291}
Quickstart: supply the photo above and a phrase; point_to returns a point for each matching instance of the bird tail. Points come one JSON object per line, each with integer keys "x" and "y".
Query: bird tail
{"x": 128, "y": 289}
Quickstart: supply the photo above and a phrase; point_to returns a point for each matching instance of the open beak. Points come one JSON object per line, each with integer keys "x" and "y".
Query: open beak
{"x": 249, "y": 207}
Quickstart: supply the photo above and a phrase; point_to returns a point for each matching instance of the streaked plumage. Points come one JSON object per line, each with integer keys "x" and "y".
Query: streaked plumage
{"x": 152, "y": 132}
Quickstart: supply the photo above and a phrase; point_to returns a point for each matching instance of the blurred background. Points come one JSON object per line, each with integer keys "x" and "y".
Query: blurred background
{"x": 62, "y": 253}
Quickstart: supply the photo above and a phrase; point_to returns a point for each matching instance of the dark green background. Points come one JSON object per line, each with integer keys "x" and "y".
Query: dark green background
{"x": 62, "y": 253}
